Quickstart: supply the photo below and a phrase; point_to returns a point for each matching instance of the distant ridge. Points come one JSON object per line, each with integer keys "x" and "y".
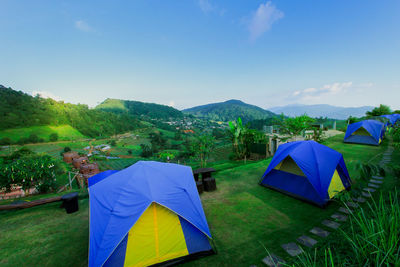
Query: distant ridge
{"x": 322, "y": 110}
{"x": 230, "y": 110}
{"x": 137, "y": 108}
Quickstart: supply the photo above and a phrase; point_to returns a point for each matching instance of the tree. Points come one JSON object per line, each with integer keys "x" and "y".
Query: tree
{"x": 146, "y": 151}
{"x": 53, "y": 137}
{"x": 202, "y": 147}
{"x": 378, "y": 111}
{"x": 242, "y": 137}
{"x": 294, "y": 126}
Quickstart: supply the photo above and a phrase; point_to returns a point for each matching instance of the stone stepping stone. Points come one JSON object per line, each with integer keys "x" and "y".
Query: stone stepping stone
{"x": 292, "y": 249}
{"x": 319, "y": 232}
{"x": 366, "y": 194}
{"x": 339, "y": 217}
{"x": 376, "y": 181}
{"x": 331, "y": 224}
{"x": 369, "y": 190}
{"x": 377, "y": 177}
{"x": 352, "y": 204}
{"x": 359, "y": 199}
{"x": 307, "y": 241}
{"x": 373, "y": 185}
{"x": 344, "y": 210}
{"x": 273, "y": 260}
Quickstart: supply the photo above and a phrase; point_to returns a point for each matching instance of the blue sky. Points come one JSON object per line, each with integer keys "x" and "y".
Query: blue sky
{"x": 190, "y": 52}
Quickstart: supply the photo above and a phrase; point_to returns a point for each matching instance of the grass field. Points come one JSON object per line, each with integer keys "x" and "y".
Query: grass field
{"x": 65, "y": 132}
{"x": 243, "y": 218}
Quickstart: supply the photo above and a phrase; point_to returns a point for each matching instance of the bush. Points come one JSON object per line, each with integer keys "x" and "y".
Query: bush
{"x": 146, "y": 151}
{"x": 67, "y": 149}
{"x": 113, "y": 143}
{"x": 130, "y": 151}
{"x": 33, "y": 138}
{"x": 53, "y": 137}
{"x": 31, "y": 171}
{"x": 5, "y": 141}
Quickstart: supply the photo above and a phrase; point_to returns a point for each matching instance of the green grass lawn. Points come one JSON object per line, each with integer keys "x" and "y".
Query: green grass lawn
{"x": 243, "y": 217}
{"x": 65, "y": 132}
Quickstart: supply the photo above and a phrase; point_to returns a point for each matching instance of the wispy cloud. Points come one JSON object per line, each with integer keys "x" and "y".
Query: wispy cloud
{"x": 206, "y": 6}
{"x": 45, "y": 94}
{"x": 83, "y": 26}
{"x": 262, "y": 19}
{"x": 313, "y": 93}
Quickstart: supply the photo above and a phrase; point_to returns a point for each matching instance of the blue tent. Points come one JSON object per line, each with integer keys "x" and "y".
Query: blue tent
{"x": 369, "y": 132}
{"x": 307, "y": 170}
{"x": 99, "y": 177}
{"x": 149, "y": 213}
{"x": 392, "y": 118}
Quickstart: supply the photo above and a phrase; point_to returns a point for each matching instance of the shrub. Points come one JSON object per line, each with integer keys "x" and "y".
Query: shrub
{"x": 5, "y": 141}
{"x": 33, "y": 138}
{"x": 146, "y": 151}
{"x": 67, "y": 149}
{"x": 53, "y": 137}
{"x": 31, "y": 171}
{"x": 130, "y": 151}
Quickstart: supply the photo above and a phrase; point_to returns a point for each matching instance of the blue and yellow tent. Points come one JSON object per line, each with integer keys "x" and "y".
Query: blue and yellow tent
{"x": 307, "y": 170}
{"x": 370, "y": 132}
{"x": 147, "y": 214}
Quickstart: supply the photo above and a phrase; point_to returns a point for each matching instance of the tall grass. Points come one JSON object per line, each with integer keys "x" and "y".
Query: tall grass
{"x": 372, "y": 238}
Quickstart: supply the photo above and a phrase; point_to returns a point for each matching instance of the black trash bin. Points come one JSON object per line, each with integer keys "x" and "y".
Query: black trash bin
{"x": 70, "y": 202}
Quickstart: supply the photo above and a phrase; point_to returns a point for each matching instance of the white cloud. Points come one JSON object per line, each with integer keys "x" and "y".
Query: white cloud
{"x": 171, "y": 103}
{"x": 262, "y": 20}
{"x": 45, "y": 94}
{"x": 83, "y": 26}
{"x": 206, "y": 6}
{"x": 317, "y": 93}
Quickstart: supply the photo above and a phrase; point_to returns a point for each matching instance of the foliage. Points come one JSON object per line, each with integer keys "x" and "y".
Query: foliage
{"x": 166, "y": 156}
{"x": 372, "y": 238}
{"x": 37, "y": 171}
{"x": 242, "y": 137}
{"x": 67, "y": 149}
{"x": 367, "y": 170}
{"x": 147, "y": 151}
{"x": 158, "y": 141}
{"x": 378, "y": 111}
{"x": 294, "y": 126}
{"x": 5, "y": 141}
{"x": 230, "y": 110}
{"x": 53, "y": 137}
{"x": 22, "y": 110}
{"x": 202, "y": 147}
{"x": 136, "y": 108}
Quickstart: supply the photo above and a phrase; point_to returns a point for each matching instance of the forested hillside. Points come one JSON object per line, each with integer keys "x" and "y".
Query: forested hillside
{"x": 136, "y": 108}
{"x": 18, "y": 109}
{"x": 230, "y": 110}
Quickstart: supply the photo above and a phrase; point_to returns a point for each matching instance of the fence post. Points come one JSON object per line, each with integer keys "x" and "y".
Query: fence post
{"x": 69, "y": 178}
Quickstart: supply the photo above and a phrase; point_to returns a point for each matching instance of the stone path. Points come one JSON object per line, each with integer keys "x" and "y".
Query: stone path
{"x": 292, "y": 249}
{"x": 373, "y": 185}
{"x": 359, "y": 199}
{"x": 331, "y": 224}
{"x": 307, "y": 241}
{"x": 344, "y": 210}
{"x": 319, "y": 232}
{"x": 371, "y": 190}
{"x": 339, "y": 217}
{"x": 352, "y": 204}
{"x": 273, "y": 260}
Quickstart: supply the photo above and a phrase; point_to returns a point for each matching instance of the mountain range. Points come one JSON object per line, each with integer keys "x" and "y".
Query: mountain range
{"x": 230, "y": 110}
{"x": 323, "y": 110}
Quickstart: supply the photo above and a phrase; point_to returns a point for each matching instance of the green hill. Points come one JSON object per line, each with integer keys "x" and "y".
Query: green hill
{"x": 230, "y": 110}
{"x": 136, "y": 108}
{"x": 20, "y": 110}
{"x": 64, "y": 132}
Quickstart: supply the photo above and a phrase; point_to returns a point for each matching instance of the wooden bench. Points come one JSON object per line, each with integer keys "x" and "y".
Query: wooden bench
{"x": 207, "y": 182}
